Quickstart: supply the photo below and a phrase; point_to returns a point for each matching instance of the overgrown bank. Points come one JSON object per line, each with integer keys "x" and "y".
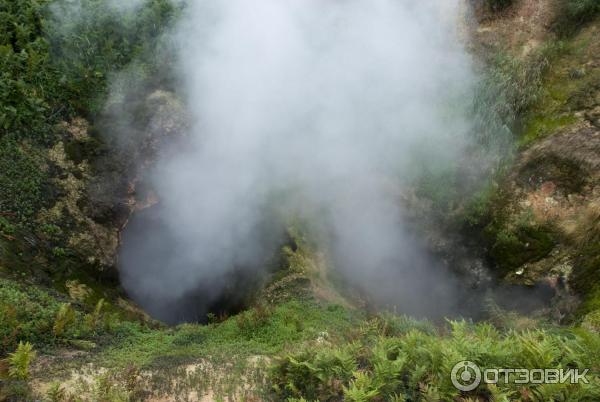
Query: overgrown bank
{"x": 65, "y": 192}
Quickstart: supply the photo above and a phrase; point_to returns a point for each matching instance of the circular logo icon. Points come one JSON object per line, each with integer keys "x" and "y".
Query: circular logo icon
{"x": 465, "y": 376}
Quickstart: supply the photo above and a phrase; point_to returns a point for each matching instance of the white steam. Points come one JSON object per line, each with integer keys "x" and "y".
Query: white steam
{"x": 336, "y": 100}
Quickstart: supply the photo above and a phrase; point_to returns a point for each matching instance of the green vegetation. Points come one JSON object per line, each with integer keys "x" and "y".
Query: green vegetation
{"x": 42, "y": 317}
{"x": 396, "y": 359}
{"x": 14, "y": 377}
{"x": 538, "y": 126}
{"x": 92, "y": 41}
{"x": 55, "y": 64}
{"x": 540, "y": 95}
{"x": 511, "y": 87}
{"x": 497, "y": 5}
{"x": 527, "y": 243}
{"x": 290, "y": 345}
{"x": 327, "y": 352}
{"x": 22, "y": 181}
{"x": 586, "y": 276}
{"x": 573, "y": 14}
{"x": 27, "y": 80}
{"x": 20, "y": 361}
{"x": 27, "y": 313}
{"x": 565, "y": 88}
{"x": 236, "y": 338}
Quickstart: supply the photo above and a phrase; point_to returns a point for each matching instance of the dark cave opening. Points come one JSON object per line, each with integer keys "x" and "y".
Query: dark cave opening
{"x": 147, "y": 244}
{"x": 148, "y": 248}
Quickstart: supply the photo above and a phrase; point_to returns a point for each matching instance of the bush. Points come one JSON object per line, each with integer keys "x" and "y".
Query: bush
{"x": 64, "y": 319}
{"x": 54, "y": 61}
{"x": 56, "y": 393}
{"x": 20, "y": 360}
{"x": 90, "y": 39}
{"x": 55, "y": 57}
{"x": 514, "y": 247}
{"x": 249, "y": 321}
{"x": 26, "y": 313}
{"x": 26, "y": 77}
{"x": 22, "y": 180}
{"x": 29, "y": 313}
{"x": 573, "y": 14}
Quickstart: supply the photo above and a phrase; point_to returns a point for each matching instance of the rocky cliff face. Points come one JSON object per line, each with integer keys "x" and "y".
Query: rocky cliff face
{"x": 544, "y": 219}
{"x": 97, "y": 182}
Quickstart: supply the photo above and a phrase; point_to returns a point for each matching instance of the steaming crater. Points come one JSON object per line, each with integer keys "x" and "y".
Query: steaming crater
{"x": 226, "y": 295}
{"x": 147, "y": 254}
{"x": 341, "y": 101}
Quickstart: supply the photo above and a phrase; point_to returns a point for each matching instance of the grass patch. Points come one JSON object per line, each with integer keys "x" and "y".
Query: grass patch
{"x": 241, "y": 336}
{"x": 541, "y": 125}
{"x": 567, "y": 86}
{"x": 47, "y": 319}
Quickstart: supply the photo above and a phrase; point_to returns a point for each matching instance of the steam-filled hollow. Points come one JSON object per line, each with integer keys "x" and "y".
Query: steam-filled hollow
{"x": 331, "y": 110}
{"x": 159, "y": 274}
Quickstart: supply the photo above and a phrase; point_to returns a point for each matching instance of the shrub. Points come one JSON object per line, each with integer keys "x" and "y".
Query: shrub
{"x": 26, "y": 77}
{"x": 95, "y": 318}
{"x": 316, "y": 374}
{"x": 55, "y": 57}
{"x": 64, "y": 318}
{"x": 26, "y": 313}
{"x": 513, "y": 247}
{"x": 90, "y": 39}
{"x": 78, "y": 291}
{"x": 56, "y": 393}
{"x": 30, "y": 313}
{"x": 573, "y": 14}
{"x": 20, "y": 360}
{"x": 249, "y": 321}
{"x": 22, "y": 180}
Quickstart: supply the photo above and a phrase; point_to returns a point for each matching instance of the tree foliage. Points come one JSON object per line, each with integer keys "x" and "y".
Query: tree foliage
{"x": 56, "y": 60}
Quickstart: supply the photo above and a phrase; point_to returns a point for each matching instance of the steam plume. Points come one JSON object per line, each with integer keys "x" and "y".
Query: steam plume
{"x": 337, "y": 100}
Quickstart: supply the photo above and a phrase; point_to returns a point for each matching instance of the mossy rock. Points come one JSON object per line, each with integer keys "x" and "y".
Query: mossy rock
{"x": 566, "y": 174}
{"x": 513, "y": 248}
{"x": 586, "y": 272}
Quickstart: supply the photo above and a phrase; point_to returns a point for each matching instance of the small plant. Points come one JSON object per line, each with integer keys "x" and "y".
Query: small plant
{"x": 78, "y": 291}
{"x": 361, "y": 388}
{"x": 249, "y": 321}
{"x": 64, "y": 318}
{"x": 56, "y": 393}
{"x": 59, "y": 252}
{"x": 94, "y": 319}
{"x": 212, "y": 318}
{"x": 20, "y": 360}
{"x": 107, "y": 389}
